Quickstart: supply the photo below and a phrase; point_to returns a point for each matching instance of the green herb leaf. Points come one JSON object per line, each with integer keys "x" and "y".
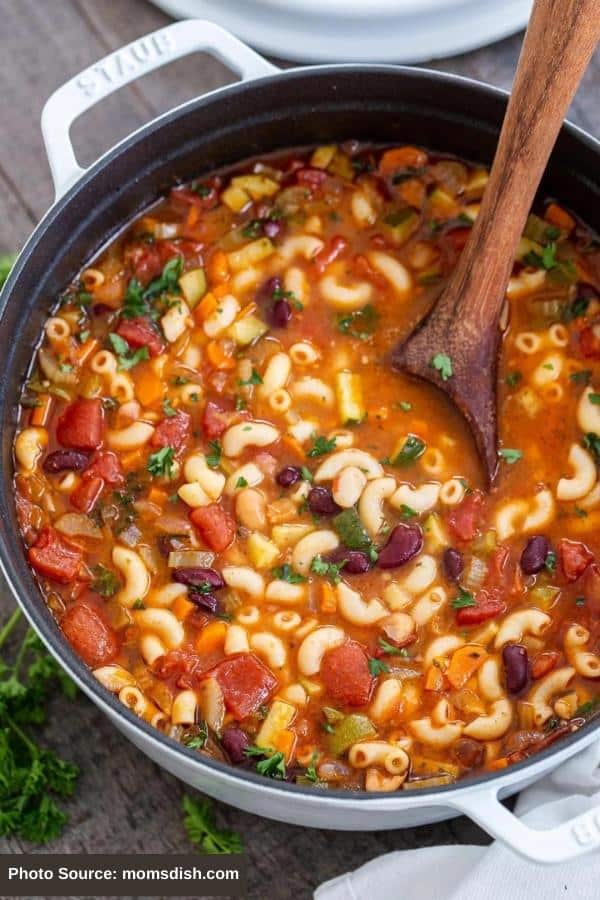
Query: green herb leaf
{"x": 510, "y": 455}
{"x": 311, "y": 772}
{"x": 161, "y": 462}
{"x": 331, "y": 571}
{"x": 407, "y": 512}
{"x": 105, "y": 583}
{"x": 198, "y": 740}
{"x": 391, "y": 649}
{"x": 254, "y": 379}
{"x": 378, "y": 667}
{"x": 360, "y": 324}
{"x": 213, "y": 459}
{"x": 581, "y": 377}
{"x": 321, "y": 446}
{"x": 442, "y": 363}
{"x": 463, "y": 600}
{"x": 241, "y": 482}
{"x": 253, "y": 229}
{"x": 199, "y": 823}
{"x": 126, "y": 358}
{"x": 550, "y": 562}
{"x": 513, "y": 379}
{"x": 273, "y": 766}
{"x": 592, "y": 442}
{"x": 168, "y": 409}
{"x": 286, "y": 573}
{"x": 412, "y": 448}
{"x": 168, "y": 282}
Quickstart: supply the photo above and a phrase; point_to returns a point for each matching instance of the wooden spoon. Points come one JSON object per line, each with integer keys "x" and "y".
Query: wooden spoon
{"x": 464, "y": 323}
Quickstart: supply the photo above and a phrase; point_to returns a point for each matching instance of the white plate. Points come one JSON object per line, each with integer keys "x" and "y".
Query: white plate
{"x": 360, "y": 30}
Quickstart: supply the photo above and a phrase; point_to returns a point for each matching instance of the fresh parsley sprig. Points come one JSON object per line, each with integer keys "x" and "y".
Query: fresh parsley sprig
{"x": 202, "y": 830}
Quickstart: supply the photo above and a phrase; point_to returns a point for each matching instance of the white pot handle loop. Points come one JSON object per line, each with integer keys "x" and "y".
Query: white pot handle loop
{"x": 552, "y": 845}
{"x": 117, "y": 69}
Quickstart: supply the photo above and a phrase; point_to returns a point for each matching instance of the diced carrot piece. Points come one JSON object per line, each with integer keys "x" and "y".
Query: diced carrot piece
{"x": 217, "y": 356}
{"x": 218, "y": 267}
{"x": 285, "y": 743}
{"x": 192, "y": 216}
{"x": 412, "y": 192}
{"x": 464, "y": 662}
{"x": 40, "y": 413}
{"x": 401, "y": 158}
{"x": 182, "y": 607}
{"x": 220, "y": 290}
{"x": 133, "y": 459}
{"x": 500, "y": 763}
{"x": 556, "y": 215}
{"x": 211, "y": 638}
{"x": 434, "y": 679}
{"x": 158, "y": 496}
{"x": 293, "y": 444}
{"x": 85, "y": 350}
{"x": 205, "y": 308}
{"x": 148, "y": 387}
{"x": 328, "y": 600}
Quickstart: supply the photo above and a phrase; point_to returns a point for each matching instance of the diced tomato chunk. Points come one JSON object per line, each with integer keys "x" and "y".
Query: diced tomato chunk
{"x": 145, "y": 261}
{"x": 184, "y": 196}
{"x": 574, "y": 557}
{"x": 310, "y": 177}
{"x": 489, "y": 605}
{"x": 215, "y": 420}
{"x": 140, "y": 332}
{"x": 345, "y": 674}
{"x": 589, "y": 341}
{"x": 106, "y": 466}
{"x": 81, "y": 426}
{"x": 86, "y": 494}
{"x": 543, "y": 663}
{"x": 215, "y": 525}
{"x": 464, "y": 521}
{"x": 90, "y": 636}
{"x": 246, "y": 684}
{"x": 54, "y": 557}
{"x": 173, "y": 432}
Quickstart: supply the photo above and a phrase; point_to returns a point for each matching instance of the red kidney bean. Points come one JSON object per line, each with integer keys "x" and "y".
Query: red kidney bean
{"x": 468, "y": 753}
{"x": 516, "y": 667}
{"x": 356, "y": 561}
{"x": 66, "y": 460}
{"x": 267, "y": 289}
{"x": 234, "y": 741}
{"x": 586, "y": 291}
{"x": 167, "y": 543}
{"x": 321, "y": 502}
{"x": 288, "y": 476}
{"x": 280, "y": 314}
{"x": 202, "y": 600}
{"x": 534, "y": 555}
{"x": 198, "y": 575}
{"x": 404, "y": 543}
{"x": 101, "y": 309}
{"x": 453, "y": 564}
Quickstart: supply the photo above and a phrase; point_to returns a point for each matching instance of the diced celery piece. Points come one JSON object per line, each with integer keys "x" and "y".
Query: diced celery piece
{"x": 246, "y": 330}
{"x": 434, "y": 534}
{"x": 349, "y": 394}
{"x": 350, "y": 730}
{"x": 262, "y": 552}
{"x": 250, "y": 254}
{"x": 322, "y": 156}
{"x": 544, "y": 596}
{"x": 258, "y": 186}
{"x": 443, "y": 202}
{"x": 235, "y": 198}
{"x": 399, "y": 226}
{"x": 525, "y": 246}
{"x": 536, "y": 229}
{"x": 193, "y": 286}
{"x": 279, "y": 717}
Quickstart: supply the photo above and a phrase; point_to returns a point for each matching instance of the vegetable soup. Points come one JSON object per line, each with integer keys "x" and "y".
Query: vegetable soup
{"x": 273, "y": 547}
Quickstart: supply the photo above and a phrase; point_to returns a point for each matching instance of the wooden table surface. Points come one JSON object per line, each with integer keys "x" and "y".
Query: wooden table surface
{"x": 124, "y": 802}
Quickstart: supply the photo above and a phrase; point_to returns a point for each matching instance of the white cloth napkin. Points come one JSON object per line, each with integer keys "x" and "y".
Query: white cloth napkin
{"x": 464, "y": 872}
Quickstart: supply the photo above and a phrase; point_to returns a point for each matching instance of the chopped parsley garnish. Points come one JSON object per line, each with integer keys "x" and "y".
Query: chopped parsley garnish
{"x": 306, "y": 474}
{"x": 407, "y": 512}
{"x": 311, "y": 772}
{"x": 105, "y": 582}
{"x": 203, "y": 190}
{"x": 161, "y": 462}
{"x": 391, "y": 649}
{"x": 254, "y": 379}
{"x": 574, "y": 310}
{"x": 581, "y": 377}
{"x": 594, "y": 398}
{"x": 412, "y": 448}
{"x": 286, "y": 573}
{"x": 241, "y": 482}
{"x": 126, "y": 358}
{"x": 550, "y": 562}
{"x": 321, "y": 446}
{"x": 510, "y": 455}
{"x": 463, "y": 600}
{"x": 274, "y": 764}
{"x": 403, "y": 405}
{"x": 442, "y": 363}
{"x": 513, "y": 378}
{"x": 398, "y": 216}
{"x": 197, "y": 741}
{"x": 360, "y": 324}
{"x": 134, "y": 304}
{"x": 592, "y": 442}
{"x": 378, "y": 667}
{"x": 328, "y": 570}
{"x": 580, "y": 601}
{"x": 199, "y": 823}
{"x": 240, "y": 403}
{"x": 587, "y": 709}
{"x": 581, "y": 513}
{"x": 253, "y": 229}
{"x": 168, "y": 281}
{"x": 139, "y": 604}
{"x": 168, "y": 409}
{"x": 562, "y": 270}
{"x": 213, "y": 459}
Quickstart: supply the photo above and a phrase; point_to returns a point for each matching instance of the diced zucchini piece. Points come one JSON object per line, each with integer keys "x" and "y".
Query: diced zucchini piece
{"x": 258, "y": 186}
{"x": 351, "y": 530}
{"x": 486, "y": 543}
{"x": 349, "y": 394}
{"x": 246, "y": 330}
{"x": 312, "y": 688}
{"x": 433, "y": 531}
{"x": 399, "y": 226}
{"x": 442, "y": 202}
{"x": 262, "y": 552}
{"x": 525, "y": 246}
{"x": 322, "y": 156}
{"x": 193, "y": 286}
{"x": 475, "y": 186}
{"x": 350, "y": 730}
{"x": 250, "y": 254}
{"x": 279, "y": 717}
{"x": 340, "y": 165}
{"x": 544, "y": 596}
{"x": 289, "y": 535}
{"x": 536, "y": 229}
{"x": 235, "y": 198}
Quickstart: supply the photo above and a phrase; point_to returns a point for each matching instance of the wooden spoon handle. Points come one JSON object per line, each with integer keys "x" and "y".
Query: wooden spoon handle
{"x": 558, "y": 45}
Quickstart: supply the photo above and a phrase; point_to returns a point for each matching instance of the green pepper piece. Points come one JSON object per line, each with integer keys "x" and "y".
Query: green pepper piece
{"x": 352, "y": 728}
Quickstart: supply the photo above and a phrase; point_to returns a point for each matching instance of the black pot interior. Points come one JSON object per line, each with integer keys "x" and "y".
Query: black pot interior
{"x": 375, "y": 104}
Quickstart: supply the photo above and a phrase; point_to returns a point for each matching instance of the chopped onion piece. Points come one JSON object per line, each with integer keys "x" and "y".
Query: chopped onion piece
{"x": 131, "y": 535}
{"x": 429, "y": 782}
{"x": 78, "y": 525}
{"x": 186, "y": 559}
{"x": 172, "y": 523}
{"x": 475, "y": 573}
{"x": 212, "y": 704}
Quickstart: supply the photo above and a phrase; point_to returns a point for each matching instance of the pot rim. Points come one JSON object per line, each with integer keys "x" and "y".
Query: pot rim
{"x": 38, "y": 615}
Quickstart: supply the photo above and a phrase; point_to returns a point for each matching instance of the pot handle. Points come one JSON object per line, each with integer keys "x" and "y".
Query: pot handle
{"x": 553, "y": 845}
{"x": 117, "y": 69}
